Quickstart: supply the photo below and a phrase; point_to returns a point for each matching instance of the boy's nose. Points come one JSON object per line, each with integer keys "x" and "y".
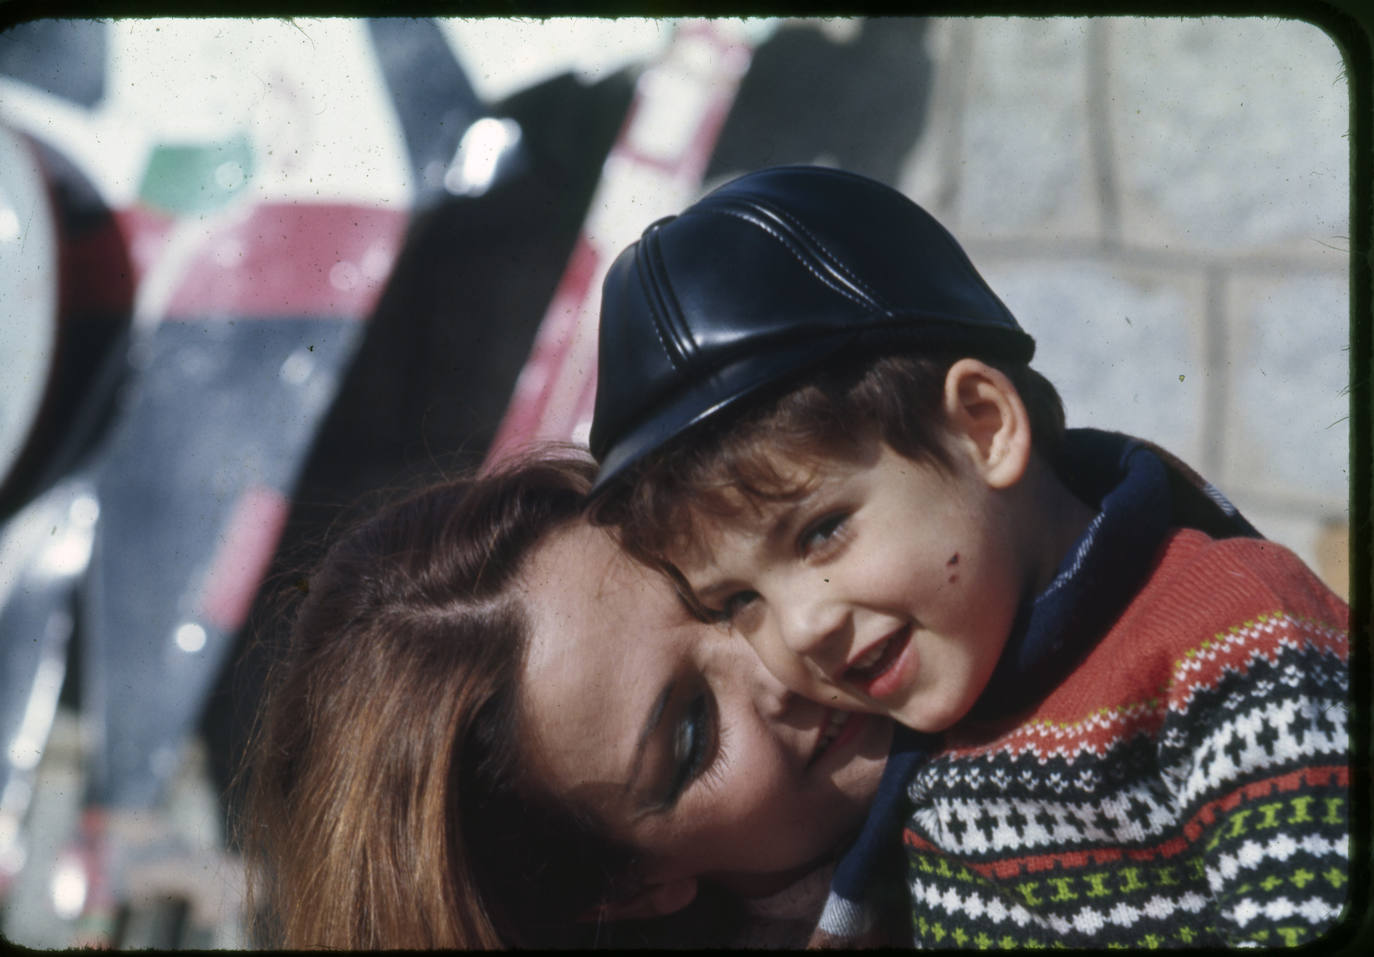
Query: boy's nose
{"x": 811, "y": 626}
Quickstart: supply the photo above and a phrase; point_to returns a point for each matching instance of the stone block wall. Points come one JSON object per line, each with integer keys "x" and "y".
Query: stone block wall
{"x": 1164, "y": 204}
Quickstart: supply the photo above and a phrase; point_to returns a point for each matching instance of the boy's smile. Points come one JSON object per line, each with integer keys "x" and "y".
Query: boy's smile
{"x": 887, "y": 586}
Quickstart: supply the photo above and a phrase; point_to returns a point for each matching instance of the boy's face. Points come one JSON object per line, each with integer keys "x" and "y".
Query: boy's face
{"x": 890, "y": 586}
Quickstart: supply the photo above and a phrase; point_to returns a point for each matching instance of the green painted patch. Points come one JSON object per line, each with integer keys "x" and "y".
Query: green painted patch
{"x": 196, "y": 177}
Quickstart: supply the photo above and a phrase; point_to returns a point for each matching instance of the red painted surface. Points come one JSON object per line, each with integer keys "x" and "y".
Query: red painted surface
{"x": 273, "y": 260}
{"x": 96, "y": 275}
{"x": 145, "y": 234}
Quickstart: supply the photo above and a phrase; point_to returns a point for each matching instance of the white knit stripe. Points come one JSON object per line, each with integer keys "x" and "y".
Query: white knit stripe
{"x": 977, "y": 825}
{"x": 1028, "y": 825}
{"x": 1213, "y": 765}
{"x": 1043, "y": 825}
{"x": 991, "y": 768}
{"x": 1314, "y": 910}
{"x": 1252, "y": 854}
{"x": 990, "y": 911}
{"x": 1156, "y": 910}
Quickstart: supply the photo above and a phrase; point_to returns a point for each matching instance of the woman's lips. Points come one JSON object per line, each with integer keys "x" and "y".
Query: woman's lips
{"x": 839, "y": 729}
{"x": 883, "y": 674}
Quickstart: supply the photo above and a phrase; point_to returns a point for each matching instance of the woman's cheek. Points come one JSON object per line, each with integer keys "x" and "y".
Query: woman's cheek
{"x": 747, "y": 784}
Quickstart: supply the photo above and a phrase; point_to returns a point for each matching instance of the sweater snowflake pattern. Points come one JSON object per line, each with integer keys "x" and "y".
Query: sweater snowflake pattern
{"x": 1185, "y": 785}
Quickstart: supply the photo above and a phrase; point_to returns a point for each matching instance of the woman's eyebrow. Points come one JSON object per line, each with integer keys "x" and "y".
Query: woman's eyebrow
{"x": 780, "y": 530}
{"x": 655, "y": 716}
{"x": 776, "y": 527}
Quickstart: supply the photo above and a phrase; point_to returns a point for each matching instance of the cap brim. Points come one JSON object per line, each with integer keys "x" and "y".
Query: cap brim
{"x": 706, "y": 399}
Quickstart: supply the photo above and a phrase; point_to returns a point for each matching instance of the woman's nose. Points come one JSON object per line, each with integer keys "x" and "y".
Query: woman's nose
{"x": 773, "y": 699}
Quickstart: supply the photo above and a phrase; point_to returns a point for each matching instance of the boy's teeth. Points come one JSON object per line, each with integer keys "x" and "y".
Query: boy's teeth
{"x": 870, "y": 659}
{"x": 831, "y": 732}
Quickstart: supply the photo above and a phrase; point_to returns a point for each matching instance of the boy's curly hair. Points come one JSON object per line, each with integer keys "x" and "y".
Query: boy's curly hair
{"x": 742, "y": 460}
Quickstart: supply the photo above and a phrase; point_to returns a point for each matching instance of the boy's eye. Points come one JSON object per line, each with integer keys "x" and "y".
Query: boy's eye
{"x": 816, "y": 536}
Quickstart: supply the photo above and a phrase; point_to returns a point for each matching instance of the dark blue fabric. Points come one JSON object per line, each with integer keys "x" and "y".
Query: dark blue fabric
{"x": 908, "y": 751}
{"x": 1096, "y": 579}
{"x": 1129, "y": 484}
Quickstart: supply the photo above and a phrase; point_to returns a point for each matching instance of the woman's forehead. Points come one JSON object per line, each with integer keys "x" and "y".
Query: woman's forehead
{"x": 603, "y": 641}
{"x": 579, "y": 578}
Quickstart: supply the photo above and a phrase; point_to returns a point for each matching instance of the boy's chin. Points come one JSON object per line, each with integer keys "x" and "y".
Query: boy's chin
{"x": 930, "y": 718}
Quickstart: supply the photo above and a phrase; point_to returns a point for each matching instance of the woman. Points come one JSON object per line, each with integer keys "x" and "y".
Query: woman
{"x": 491, "y": 728}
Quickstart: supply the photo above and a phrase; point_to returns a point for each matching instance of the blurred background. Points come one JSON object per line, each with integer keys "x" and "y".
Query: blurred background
{"x": 254, "y": 273}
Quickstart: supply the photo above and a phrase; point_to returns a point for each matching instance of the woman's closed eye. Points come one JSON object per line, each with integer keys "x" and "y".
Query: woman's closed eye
{"x": 696, "y": 745}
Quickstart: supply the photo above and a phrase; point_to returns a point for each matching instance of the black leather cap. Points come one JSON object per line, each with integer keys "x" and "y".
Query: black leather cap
{"x": 764, "y": 278}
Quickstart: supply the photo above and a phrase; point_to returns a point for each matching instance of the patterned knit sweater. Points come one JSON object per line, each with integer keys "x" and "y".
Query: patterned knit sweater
{"x": 1185, "y": 785}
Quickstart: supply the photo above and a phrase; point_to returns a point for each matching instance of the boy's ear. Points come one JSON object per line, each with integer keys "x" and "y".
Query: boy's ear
{"x": 984, "y": 411}
{"x": 651, "y": 900}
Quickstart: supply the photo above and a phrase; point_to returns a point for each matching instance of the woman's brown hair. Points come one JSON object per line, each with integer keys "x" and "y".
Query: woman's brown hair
{"x": 388, "y": 803}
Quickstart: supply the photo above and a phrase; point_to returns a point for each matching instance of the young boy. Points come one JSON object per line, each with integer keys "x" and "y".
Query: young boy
{"x": 817, "y": 416}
